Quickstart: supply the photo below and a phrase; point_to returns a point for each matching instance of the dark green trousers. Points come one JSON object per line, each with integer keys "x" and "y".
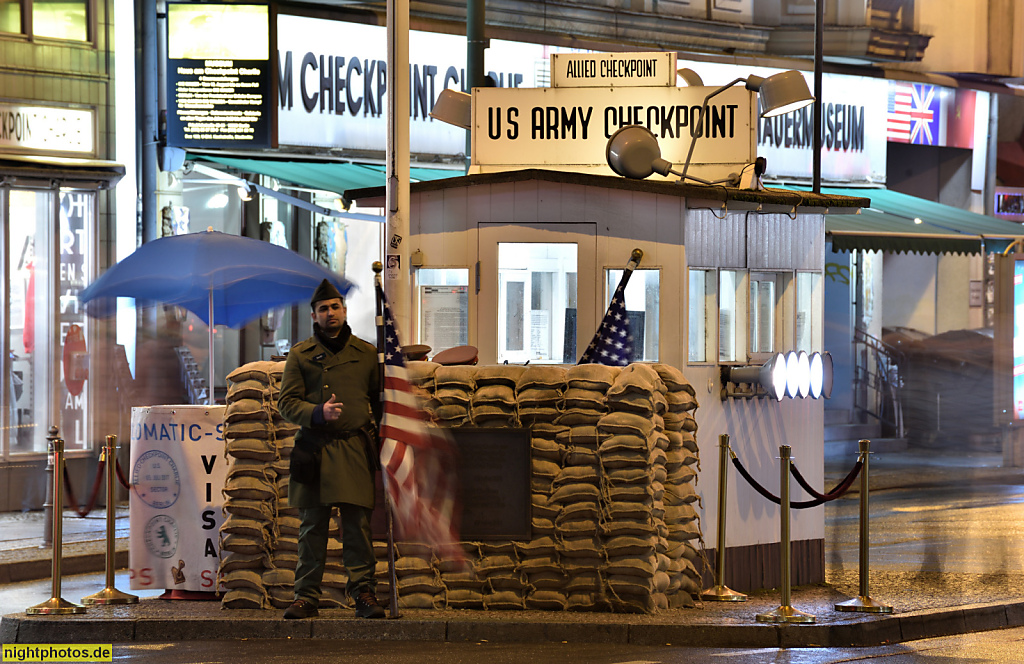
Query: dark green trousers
{"x": 357, "y": 550}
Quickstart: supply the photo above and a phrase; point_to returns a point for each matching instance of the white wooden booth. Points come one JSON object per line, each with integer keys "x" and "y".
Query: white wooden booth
{"x": 727, "y": 276}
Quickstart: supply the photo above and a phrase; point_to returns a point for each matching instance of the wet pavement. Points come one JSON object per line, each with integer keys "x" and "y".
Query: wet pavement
{"x": 945, "y": 531}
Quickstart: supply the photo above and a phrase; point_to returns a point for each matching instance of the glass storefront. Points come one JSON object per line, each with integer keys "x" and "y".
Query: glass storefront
{"x": 48, "y": 246}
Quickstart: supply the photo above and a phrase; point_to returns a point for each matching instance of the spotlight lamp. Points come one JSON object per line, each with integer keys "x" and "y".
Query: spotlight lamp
{"x": 779, "y": 93}
{"x": 795, "y": 375}
{"x": 454, "y": 107}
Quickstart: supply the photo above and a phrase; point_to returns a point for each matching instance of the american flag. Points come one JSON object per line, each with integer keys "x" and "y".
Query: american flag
{"x": 613, "y": 342}
{"x": 417, "y": 459}
{"x": 913, "y": 112}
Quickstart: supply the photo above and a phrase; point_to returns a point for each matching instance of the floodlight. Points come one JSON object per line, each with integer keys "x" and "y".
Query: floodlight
{"x": 792, "y": 375}
{"x": 803, "y": 374}
{"x": 454, "y": 107}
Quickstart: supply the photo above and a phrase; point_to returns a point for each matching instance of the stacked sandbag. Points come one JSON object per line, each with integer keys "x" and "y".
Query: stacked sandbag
{"x": 257, "y": 445}
{"x": 494, "y": 400}
{"x": 419, "y": 582}
{"x": 504, "y": 583}
{"x": 451, "y": 403}
{"x": 463, "y": 586}
{"x": 683, "y": 539}
{"x": 633, "y": 465}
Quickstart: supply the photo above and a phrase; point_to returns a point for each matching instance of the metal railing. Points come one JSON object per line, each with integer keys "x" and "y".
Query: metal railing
{"x": 877, "y": 381}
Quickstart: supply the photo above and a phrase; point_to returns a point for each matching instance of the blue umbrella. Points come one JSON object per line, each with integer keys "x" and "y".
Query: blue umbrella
{"x": 223, "y": 279}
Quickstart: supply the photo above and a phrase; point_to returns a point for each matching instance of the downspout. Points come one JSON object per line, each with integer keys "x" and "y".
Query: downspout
{"x": 147, "y": 44}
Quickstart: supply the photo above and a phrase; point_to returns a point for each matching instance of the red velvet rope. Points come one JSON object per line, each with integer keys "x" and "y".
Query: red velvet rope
{"x": 84, "y": 511}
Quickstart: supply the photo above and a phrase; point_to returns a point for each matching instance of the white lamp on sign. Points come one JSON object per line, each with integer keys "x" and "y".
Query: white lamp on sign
{"x": 454, "y": 107}
{"x": 794, "y": 375}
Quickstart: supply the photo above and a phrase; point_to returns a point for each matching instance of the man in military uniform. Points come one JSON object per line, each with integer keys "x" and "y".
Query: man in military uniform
{"x": 331, "y": 388}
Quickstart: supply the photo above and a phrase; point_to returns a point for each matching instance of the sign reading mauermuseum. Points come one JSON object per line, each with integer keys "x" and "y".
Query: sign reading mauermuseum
{"x": 33, "y": 128}
{"x": 218, "y": 76}
{"x": 547, "y": 127}
{"x": 579, "y": 70}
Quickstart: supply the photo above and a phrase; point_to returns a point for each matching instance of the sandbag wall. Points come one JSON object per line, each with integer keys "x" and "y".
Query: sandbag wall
{"x": 613, "y": 471}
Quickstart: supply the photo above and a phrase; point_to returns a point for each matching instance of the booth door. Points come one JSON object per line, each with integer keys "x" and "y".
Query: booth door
{"x": 538, "y": 288}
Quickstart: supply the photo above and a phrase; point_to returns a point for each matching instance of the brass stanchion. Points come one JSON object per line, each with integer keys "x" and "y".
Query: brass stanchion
{"x": 56, "y": 605}
{"x": 721, "y": 592}
{"x": 863, "y": 602}
{"x": 785, "y": 613}
{"x": 110, "y": 594}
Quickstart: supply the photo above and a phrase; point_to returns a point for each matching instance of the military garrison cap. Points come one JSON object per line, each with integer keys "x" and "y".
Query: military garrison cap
{"x": 325, "y": 291}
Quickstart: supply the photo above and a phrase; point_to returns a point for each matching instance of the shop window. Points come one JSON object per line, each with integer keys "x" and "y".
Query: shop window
{"x": 442, "y": 302}
{"x": 763, "y": 293}
{"x": 30, "y": 219}
{"x": 10, "y": 16}
{"x": 809, "y": 302}
{"x": 61, "y": 19}
{"x": 702, "y": 298}
{"x": 536, "y": 298}
{"x": 642, "y": 305}
{"x": 731, "y": 316}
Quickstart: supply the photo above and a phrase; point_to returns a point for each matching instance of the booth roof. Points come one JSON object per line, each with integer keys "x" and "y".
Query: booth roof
{"x": 374, "y": 196}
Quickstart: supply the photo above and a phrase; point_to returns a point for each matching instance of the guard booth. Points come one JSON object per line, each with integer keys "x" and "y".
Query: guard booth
{"x": 522, "y": 265}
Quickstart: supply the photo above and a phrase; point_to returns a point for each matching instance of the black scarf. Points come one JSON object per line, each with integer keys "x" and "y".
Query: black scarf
{"x": 333, "y": 344}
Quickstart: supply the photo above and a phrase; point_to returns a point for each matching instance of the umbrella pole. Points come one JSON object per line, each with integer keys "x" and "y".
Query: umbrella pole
{"x": 209, "y": 387}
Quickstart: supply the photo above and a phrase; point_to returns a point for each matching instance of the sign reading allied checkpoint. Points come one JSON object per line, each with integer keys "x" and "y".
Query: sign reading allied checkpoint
{"x": 177, "y": 472}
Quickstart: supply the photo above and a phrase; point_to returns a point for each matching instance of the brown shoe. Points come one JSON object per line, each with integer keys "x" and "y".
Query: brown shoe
{"x": 367, "y": 606}
{"x": 299, "y": 609}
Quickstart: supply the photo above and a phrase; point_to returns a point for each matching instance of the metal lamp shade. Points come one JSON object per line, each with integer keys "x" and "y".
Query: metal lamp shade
{"x": 454, "y": 107}
{"x": 784, "y": 92}
{"x": 632, "y": 152}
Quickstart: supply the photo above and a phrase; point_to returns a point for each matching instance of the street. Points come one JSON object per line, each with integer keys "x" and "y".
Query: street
{"x": 1000, "y": 646}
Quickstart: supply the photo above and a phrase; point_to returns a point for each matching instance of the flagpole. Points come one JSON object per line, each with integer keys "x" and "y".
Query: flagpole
{"x": 378, "y": 267}
{"x": 209, "y": 329}
{"x": 635, "y": 257}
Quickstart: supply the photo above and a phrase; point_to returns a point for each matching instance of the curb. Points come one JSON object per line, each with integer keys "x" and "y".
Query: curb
{"x": 35, "y": 564}
{"x": 116, "y": 627}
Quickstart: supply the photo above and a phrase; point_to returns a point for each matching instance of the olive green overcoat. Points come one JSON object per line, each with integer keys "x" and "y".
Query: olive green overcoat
{"x": 311, "y": 375}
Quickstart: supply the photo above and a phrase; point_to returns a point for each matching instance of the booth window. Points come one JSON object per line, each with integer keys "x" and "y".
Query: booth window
{"x": 537, "y": 302}
{"x": 763, "y": 293}
{"x": 642, "y": 305}
{"x": 809, "y": 302}
{"x": 732, "y": 316}
{"x": 702, "y": 298}
{"x": 442, "y": 301}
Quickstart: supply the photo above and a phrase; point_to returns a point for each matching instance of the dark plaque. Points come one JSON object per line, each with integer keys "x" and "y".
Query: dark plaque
{"x": 494, "y": 479}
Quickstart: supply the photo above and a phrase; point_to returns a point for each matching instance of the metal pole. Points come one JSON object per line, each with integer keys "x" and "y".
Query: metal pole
{"x": 56, "y": 605}
{"x": 785, "y": 613}
{"x": 863, "y": 602}
{"x": 722, "y": 593}
{"x": 476, "y": 44}
{"x": 110, "y": 594}
{"x": 819, "y": 39}
{"x": 378, "y": 267}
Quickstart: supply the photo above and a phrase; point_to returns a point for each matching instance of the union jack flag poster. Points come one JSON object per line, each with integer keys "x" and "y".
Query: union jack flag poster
{"x": 914, "y": 113}
{"x": 418, "y": 460}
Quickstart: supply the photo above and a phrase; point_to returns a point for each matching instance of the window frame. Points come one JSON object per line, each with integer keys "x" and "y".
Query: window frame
{"x": 28, "y": 26}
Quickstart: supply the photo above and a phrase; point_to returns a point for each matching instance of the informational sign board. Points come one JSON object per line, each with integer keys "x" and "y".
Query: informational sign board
{"x": 177, "y": 472}
{"x": 591, "y": 70}
{"x": 219, "y": 87}
{"x": 444, "y": 316}
{"x": 556, "y": 127}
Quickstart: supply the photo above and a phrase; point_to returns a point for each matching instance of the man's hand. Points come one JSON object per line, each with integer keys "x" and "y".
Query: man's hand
{"x": 332, "y": 409}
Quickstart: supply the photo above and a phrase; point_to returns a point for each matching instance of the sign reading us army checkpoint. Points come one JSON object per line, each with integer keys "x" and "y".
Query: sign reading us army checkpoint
{"x": 570, "y": 126}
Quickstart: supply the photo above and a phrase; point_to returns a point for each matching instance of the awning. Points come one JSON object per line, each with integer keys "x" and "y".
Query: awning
{"x": 889, "y": 224}
{"x": 69, "y": 172}
{"x": 334, "y": 176}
